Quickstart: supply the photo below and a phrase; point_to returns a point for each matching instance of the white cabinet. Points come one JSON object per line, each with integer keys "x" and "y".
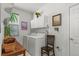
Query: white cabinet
{"x": 39, "y": 22}
{"x": 33, "y": 43}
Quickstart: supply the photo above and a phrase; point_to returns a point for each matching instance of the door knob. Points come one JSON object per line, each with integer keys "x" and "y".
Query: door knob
{"x": 57, "y": 47}
{"x": 71, "y": 39}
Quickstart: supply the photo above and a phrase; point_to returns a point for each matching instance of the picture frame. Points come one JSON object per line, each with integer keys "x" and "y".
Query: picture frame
{"x": 56, "y": 20}
{"x": 14, "y": 30}
{"x": 23, "y": 25}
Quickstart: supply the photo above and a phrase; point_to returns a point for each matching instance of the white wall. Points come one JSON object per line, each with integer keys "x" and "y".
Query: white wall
{"x": 62, "y": 37}
{"x": 3, "y": 16}
{"x": 0, "y": 29}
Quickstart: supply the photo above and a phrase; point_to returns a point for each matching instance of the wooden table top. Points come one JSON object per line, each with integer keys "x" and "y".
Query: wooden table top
{"x": 19, "y": 49}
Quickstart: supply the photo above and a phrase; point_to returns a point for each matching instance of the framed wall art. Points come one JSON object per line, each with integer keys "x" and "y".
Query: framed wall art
{"x": 56, "y": 20}
{"x": 23, "y": 25}
{"x": 14, "y": 30}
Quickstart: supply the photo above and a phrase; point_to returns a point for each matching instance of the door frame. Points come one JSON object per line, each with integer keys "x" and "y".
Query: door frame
{"x": 69, "y": 24}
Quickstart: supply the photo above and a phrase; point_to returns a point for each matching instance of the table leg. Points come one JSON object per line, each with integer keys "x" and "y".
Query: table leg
{"x": 24, "y": 53}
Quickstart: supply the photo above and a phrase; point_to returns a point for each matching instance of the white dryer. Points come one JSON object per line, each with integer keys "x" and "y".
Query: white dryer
{"x": 34, "y": 42}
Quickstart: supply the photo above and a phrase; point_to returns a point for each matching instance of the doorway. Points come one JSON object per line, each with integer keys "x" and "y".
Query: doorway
{"x": 74, "y": 30}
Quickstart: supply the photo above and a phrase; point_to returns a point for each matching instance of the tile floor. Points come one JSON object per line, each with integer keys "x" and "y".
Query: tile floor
{"x": 27, "y": 54}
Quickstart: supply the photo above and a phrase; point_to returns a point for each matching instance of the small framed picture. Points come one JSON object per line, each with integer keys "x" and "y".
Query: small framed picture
{"x": 56, "y": 20}
{"x": 23, "y": 25}
{"x": 14, "y": 30}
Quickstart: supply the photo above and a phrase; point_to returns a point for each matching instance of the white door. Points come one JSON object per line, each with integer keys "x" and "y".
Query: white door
{"x": 74, "y": 30}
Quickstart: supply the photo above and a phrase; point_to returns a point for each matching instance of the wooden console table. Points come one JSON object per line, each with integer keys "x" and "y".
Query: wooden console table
{"x": 18, "y": 51}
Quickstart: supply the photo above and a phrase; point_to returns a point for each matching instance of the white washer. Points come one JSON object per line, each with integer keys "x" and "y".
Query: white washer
{"x": 34, "y": 43}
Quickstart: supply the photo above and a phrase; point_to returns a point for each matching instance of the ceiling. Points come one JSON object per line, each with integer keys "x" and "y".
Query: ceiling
{"x": 31, "y": 7}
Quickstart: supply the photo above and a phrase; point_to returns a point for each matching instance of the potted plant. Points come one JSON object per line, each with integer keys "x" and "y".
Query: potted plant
{"x": 13, "y": 17}
{"x": 7, "y": 30}
{"x": 37, "y": 14}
